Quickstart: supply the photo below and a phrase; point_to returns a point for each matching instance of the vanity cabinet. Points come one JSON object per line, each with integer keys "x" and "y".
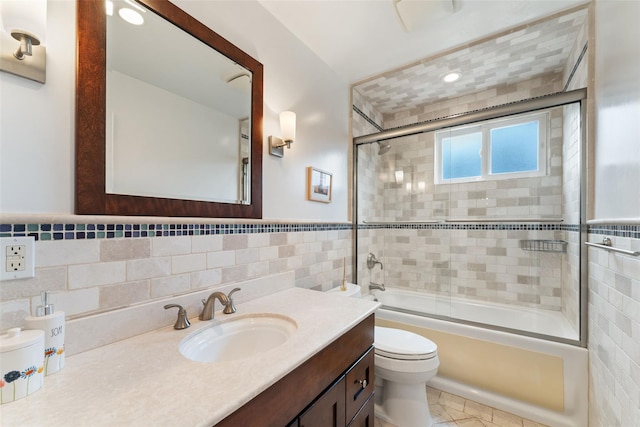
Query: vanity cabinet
{"x": 327, "y": 411}
{"x": 360, "y": 385}
{"x": 348, "y": 402}
{"x": 334, "y": 388}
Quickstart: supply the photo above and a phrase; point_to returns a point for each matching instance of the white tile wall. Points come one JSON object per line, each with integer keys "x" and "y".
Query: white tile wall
{"x": 95, "y": 276}
{"x": 614, "y": 335}
{"x": 468, "y": 263}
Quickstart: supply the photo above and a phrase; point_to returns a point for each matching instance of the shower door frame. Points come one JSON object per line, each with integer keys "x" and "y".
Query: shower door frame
{"x": 529, "y": 105}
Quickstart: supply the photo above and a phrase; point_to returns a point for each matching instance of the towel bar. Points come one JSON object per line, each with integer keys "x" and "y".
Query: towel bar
{"x": 606, "y": 244}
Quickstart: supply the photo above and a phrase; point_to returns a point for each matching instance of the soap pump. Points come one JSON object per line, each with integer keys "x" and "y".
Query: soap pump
{"x": 52, "y": 323}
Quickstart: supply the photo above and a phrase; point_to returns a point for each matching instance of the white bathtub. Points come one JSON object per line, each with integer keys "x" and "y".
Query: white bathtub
{"x": 538, "y": 321}
{"x": 537, "y": 379}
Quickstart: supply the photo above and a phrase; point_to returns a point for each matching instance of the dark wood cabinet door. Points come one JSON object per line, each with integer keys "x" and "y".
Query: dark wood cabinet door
{"x": 365, "y": 418}
{"x": 328, "y": 410}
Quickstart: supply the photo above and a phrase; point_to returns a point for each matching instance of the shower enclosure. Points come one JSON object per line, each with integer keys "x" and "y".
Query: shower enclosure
{"x": 479, "y": 209}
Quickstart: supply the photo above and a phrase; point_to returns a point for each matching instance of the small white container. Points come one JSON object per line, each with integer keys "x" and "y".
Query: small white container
{"x": 21, "y": 364}
{"x": 52, "y": 323}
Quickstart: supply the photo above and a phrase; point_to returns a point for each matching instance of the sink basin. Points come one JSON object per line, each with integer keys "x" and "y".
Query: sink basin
{"x": 239, "y": 338}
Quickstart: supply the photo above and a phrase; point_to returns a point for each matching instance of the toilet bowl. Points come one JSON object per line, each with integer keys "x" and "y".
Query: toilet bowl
{"x": 404, "y": 362}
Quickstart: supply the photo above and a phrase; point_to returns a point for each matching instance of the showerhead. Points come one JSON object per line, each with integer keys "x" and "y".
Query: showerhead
{"x": 384, "y": 147}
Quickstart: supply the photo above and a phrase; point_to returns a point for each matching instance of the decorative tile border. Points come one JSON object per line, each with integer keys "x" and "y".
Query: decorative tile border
{"x": 60, "y": 231}
{"x": 473, "y": 226}
{"x": 575, "y": 67}
{"x": 632, "y": 231}
{"x": 110, "y": 231}
{"x": 367, "y": 118}
{"x": 491, "y": 107}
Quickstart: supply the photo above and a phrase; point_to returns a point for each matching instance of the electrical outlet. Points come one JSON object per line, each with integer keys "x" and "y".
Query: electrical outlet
{"x": 17, "y": 258}
{"x": 16, "y": 251}
{"x": 16, "y": 264}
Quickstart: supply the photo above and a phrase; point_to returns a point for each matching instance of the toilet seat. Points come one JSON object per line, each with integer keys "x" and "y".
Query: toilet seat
{"x": 403, "y": 345}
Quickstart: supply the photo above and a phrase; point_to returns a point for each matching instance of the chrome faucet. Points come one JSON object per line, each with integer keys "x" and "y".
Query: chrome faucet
{"x": 226, "y": 301}
{"x": 207, "y": 310}
{"x": 373, "y": 285}
{"x": 372, "y": 261}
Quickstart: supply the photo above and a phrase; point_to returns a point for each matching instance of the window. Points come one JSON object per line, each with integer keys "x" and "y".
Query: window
{"x": 497, "y": 149}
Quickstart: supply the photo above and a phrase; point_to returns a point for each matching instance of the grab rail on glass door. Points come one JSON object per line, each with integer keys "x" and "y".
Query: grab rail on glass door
{"x": 607, "y": 245}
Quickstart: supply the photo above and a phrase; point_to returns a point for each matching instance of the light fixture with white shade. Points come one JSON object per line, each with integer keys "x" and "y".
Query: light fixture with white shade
{"x": 288, "y": 129}
{"x": 23, "y": 29}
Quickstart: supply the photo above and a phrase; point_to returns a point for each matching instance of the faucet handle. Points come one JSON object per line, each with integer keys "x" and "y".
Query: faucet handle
{"x": 182, "y": 322}
{"x": 230, "y": 307}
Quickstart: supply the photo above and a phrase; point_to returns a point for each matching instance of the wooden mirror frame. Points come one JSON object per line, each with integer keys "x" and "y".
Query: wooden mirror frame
{"x": 91, "y": 197}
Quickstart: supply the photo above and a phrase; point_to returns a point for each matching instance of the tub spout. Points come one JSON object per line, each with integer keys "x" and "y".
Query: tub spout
{"x": 379, "y": 286}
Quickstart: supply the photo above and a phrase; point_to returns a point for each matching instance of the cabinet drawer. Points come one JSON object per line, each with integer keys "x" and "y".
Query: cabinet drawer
{"x": 365, "y": 418}
{"x": 359, "y": 383}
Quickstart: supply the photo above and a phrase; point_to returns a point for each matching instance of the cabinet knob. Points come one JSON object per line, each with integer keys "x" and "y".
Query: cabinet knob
{"x": 363, "y": 383}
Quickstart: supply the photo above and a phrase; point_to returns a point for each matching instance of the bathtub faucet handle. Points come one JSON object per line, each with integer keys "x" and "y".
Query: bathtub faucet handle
{"x": 372, "y": 261}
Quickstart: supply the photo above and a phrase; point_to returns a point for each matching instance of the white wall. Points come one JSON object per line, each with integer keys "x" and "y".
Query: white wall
{"x": 617, "y": 108}
{"x": 614, "y": 279}
{"x": 37, "y": 128}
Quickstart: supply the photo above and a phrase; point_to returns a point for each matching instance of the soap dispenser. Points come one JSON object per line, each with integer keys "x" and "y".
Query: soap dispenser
{"x": 52, "y": 323}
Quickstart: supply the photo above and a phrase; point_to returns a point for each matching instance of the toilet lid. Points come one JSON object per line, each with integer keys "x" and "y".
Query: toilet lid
{"x": 404, "y": 345}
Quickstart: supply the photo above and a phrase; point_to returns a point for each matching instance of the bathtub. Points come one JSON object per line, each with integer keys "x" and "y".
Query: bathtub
{"x": 536, "y": 321}
{"x": 541, "y": 380}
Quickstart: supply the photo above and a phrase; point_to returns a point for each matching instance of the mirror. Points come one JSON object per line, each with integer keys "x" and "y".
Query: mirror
{"x": 168, "y": 116}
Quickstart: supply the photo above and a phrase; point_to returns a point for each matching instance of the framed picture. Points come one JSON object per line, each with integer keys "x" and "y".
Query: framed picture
{"x": 319, "y": 185}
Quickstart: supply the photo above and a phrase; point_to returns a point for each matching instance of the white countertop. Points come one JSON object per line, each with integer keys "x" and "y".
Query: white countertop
{"x": 145, "y": 380}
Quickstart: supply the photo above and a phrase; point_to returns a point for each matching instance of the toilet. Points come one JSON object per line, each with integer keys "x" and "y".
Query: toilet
{"x": 404, "y": 362}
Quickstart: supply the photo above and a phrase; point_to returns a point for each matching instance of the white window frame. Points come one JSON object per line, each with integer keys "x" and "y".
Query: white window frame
{"x": 485, "y": 128}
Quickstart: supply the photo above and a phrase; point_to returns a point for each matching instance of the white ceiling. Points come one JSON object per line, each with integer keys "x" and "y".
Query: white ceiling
{"x": 359, "y": 39}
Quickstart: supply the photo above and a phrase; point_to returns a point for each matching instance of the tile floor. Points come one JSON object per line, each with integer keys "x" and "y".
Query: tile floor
{"x": 449, "y": 410}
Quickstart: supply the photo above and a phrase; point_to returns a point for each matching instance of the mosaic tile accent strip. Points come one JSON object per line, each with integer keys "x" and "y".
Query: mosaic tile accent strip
{"x": 632, "y": 231}
{"x": 472, "y": 226}
{"x": 101, "y": 231}
{"x": 583, "y": 52}
{"x": 110, "y": 231}
{"x": 367, "y": 118}
{"x": 472, "y": 111}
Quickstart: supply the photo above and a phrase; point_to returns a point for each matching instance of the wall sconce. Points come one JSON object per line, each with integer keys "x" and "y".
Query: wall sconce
{"x": 288, "y": 129}
{"x": 23, "y": 28}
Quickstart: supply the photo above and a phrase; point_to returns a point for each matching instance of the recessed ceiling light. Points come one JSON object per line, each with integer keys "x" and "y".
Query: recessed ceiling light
{"x": 451, "y": 77}
{"x": 131, "y": 16}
